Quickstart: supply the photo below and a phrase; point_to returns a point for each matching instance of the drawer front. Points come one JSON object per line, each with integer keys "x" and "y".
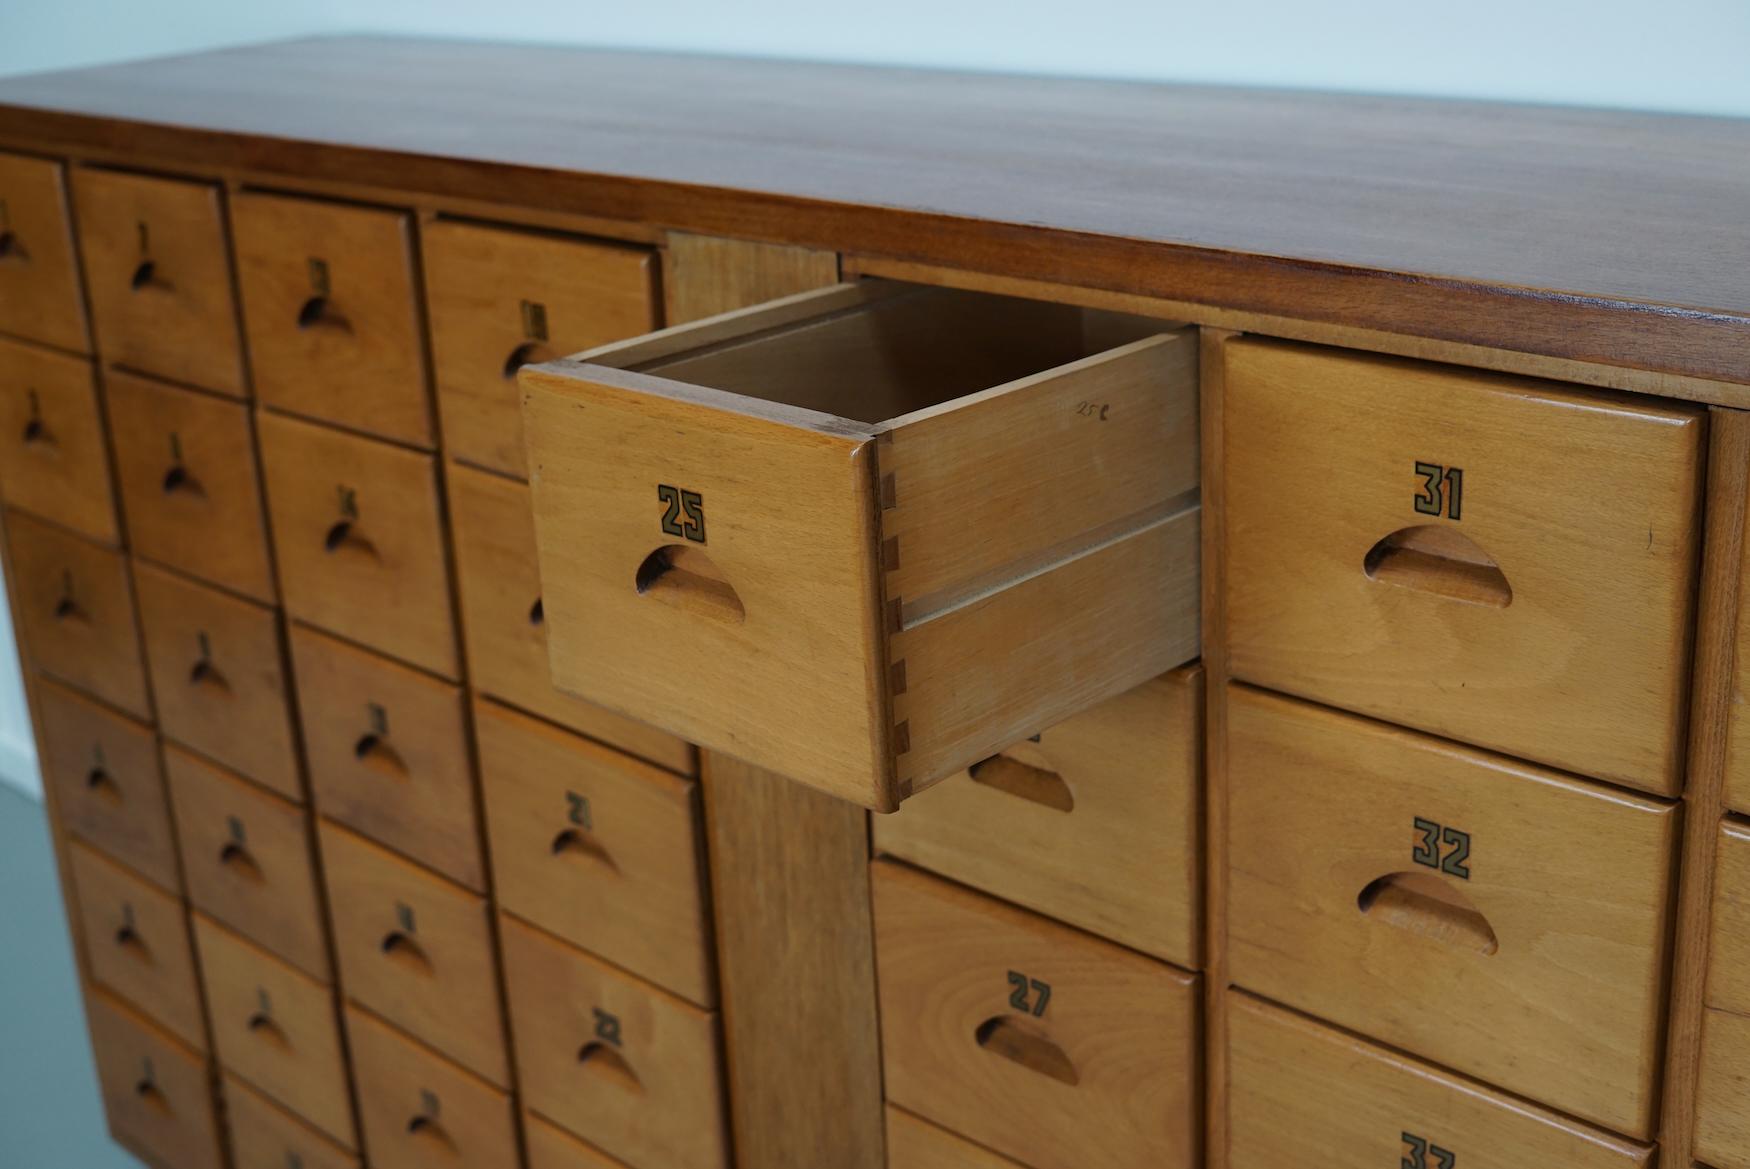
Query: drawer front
{"x": 504, "y": 619}
{"x": 218, "y": 672}
{"x": 917, "y": 1144}
{"x": 276, "y": 1028}
{"x": 136, "y": 943}
{"x": 331, "y": 315}
{"x": 1302, "y": 1094}
{"x": 1498, "y": 919}
{"x": 415, "y": 949}
{"x": 1722, "y": 1126}
{"x": 551, "y": 1147}
{"x": 158, "y": 274}
{"x": 597, "y": 848}
{"x": 359, "y": 536}
{"x": 155, "y": 1090}
{"x": 40, "y": 296}
{"x": 501, "y": 298}
{"x": 388, "y": 754}
{"x": 104, "y": 770}
{"x": 266, "y": 1136}
{"x": 76, "y": 613}
{"x": 1093, "y": 821}
{"x": 418, "y": 1110}
{"x": 1031, "y": 1038}
{"x": 630, "y": 1069}
{"x": 246, "y": 858}
{"x": 185, "y": 464}
{"x": 53, "y": 460}
{"x": 1497, "y": 560}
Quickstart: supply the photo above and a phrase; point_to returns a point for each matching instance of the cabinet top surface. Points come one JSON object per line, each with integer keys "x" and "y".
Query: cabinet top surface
{"x": 1601, "y": 235}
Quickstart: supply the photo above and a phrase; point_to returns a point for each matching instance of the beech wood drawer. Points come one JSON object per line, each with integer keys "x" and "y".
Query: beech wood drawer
{"x": 276, "y": 1027}
{"x": 934, "y": 521}
{"x": 266, "y": 1136}
{"x": 40, "y": 296}
{"x": 1505, "y": 921}
{"x": 1305, "y": 1095}
{"x": 388, "y": 754}
{"x": 185, "y": 463}
{"x": 420, "y": 1111}
{"x": 504, "y": 622}
{"x": 358, "y": 533}
{"x": 501, "y": 298}
{"x": 76, "y": 612}
{"x": 331, "y": 314}
{"x": 417, "y": 950}
{"x": 1722, "y": 1125}
{"x": 1499, "y": 560}
{"x": 551, "y": 1147}
{"x": 627, "y": 1067}
{"x": 1034, "y": 1039}
{"x": 54, "y": 462}
{"x": 246, "y": 859}
{"x": 136, "y": 943}
{"x": 914, "y": 1143}
{"x": 156, "y": 1091}
{"x": 103, "y": 768}
{"x": 218, "y": 673}
{"x": 158, "y": 274}
{"x": 1093, "y": 821}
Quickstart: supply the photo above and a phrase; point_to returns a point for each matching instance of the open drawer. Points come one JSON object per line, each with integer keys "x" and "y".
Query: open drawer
{"x": 869, "y": 535}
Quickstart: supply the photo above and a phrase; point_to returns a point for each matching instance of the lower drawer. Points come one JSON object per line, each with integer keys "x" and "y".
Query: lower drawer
{"x": 1042, "y": 1042}
{"x": 551, "y": 1147}
{"x": 266, "y": 1136}
{"x": 913, "y": 1143}
{"x": 1722, "y": 1122}
{"x": 1302, "y": 1094}
{"x": 155, "y": 1090}
{"x": 136, "y": 943}
{"x": 418, "y": 1110}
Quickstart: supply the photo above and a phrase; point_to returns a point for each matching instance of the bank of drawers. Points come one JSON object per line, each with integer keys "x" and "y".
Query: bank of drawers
{"x": 1722, "y": 1129}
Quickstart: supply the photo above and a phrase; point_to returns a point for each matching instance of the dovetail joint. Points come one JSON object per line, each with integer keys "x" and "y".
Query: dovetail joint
{"x": 901, "y": 738}
{"x": 889, "y": 492}
{"x": 896, "y": 677}
{"x": 890, "y": 554}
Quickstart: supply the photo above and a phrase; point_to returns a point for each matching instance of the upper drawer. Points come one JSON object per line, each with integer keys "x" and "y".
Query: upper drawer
{"x": 159, "y": 277}
{"x": 39, "y": 285}
{"x": 185, "y": 463}
{"x": 329, "y": 307}
{"x": 934, "y": 521}
{"x": 156, "y": 1092}
{"x": 504, "y": 621}
{"x": 103, "y": 769}
{"x": 1305, "y": 1095}
{"x": 1093, "y": 821}
{"x": 266, "y": 1136}
{"x": 53, "y": 460}
{"x": 500, "y": 299}
{"x": 359, "y": 534}
{"x": 218, "y": 673}
{"x": 1499, "y": 560}
{"x": 1038, "y": 1040}
{"x": 1722, "y": 1124}
{"x": 76, "y": 612}
{"x": 1499, "y": 919}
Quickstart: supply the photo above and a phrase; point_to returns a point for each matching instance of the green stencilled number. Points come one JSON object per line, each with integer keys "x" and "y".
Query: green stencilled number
{"x": 577, "y": 810}
{"x": 1419, "y": 1149}
{"x": 1442, "y": 490}
{"x": 1029, "y": 995}
{"x": 1441, "y": 847}
{"x": 534, "y": 315}
{"x": 320, "y": 282}
{"x": 607, "y": 1027}
{"x": 691, "y": 524}
{"x": 1427, "y": 848}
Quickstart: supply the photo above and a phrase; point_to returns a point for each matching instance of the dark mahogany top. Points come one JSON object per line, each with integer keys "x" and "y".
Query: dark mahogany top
{"x": 1600, "y": 235}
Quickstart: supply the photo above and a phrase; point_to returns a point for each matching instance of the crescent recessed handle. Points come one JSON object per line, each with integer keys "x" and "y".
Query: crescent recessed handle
{"x": 205, "y": 675}
{"x": 264, "y": 1025}
{"x": 319, "y": 312}
{"x": 430, "y": 1130}
{"x": 103, "y": 783}
{"x": 36, "y": 432}
{"x": 376, "y": 753}
{"x": 1423, "y": 903}
{"x": 67, "y": 609}
{"x": 604, "y": 1060}
{"x": 152, "y": 1096}
{"x": 180, "y": 480}
{"x": 572, "y": 843}
{"x": 685, "y": 577}
{"x": 524, "y": 354}
{"x": 1431, "y": 558}
{"x": 1024, "y": 781}
{"x": 344, "y": 536}
{"x": 401, "y": 949}
{"x": 1013, "y": 1040}
{"x": 129, "y": 940}
{"x": 145, "y": 276}
{"x": 241, "y": 861}
{"x": 12, "y": 248}
{"x": 537, "y": 613}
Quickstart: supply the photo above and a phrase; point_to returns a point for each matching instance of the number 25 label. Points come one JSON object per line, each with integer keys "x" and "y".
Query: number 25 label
{"x": 685, "y": 516}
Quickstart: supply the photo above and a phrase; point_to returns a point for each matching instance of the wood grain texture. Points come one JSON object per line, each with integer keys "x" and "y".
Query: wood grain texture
{"x": 1307, "y": 1095}
{"x": 1722, "y": 1082}
{"x": 246, "y": 860}
{"x": 915, "y": 1143}
{"x": 191, "y": 490}
{"x": 158, "y": 274}
{"x": 625, "y": 1065}
{"x": 1099, "y": 1068}
{"x": 703, "y": 275}
{"x": 276, "y": 1027}
{"x": 40, "y": 295}
{"x": 1540, "y": 967}
{"x": 1094, "y": 821}
{"x": 266, "y": 1136}
{"x": 551, "y": 1147}
{"x": 1574, "y": 232}
{"x": 1587, "y": 504}
{"x": 218, "y": 671}
{"x": 156, "y": 1091}
{"x": 54, "y": 462}
{"x": 331, "y": 313}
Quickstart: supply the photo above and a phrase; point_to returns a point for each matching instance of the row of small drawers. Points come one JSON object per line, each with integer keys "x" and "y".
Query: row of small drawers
{"x": 330, "y": 299}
